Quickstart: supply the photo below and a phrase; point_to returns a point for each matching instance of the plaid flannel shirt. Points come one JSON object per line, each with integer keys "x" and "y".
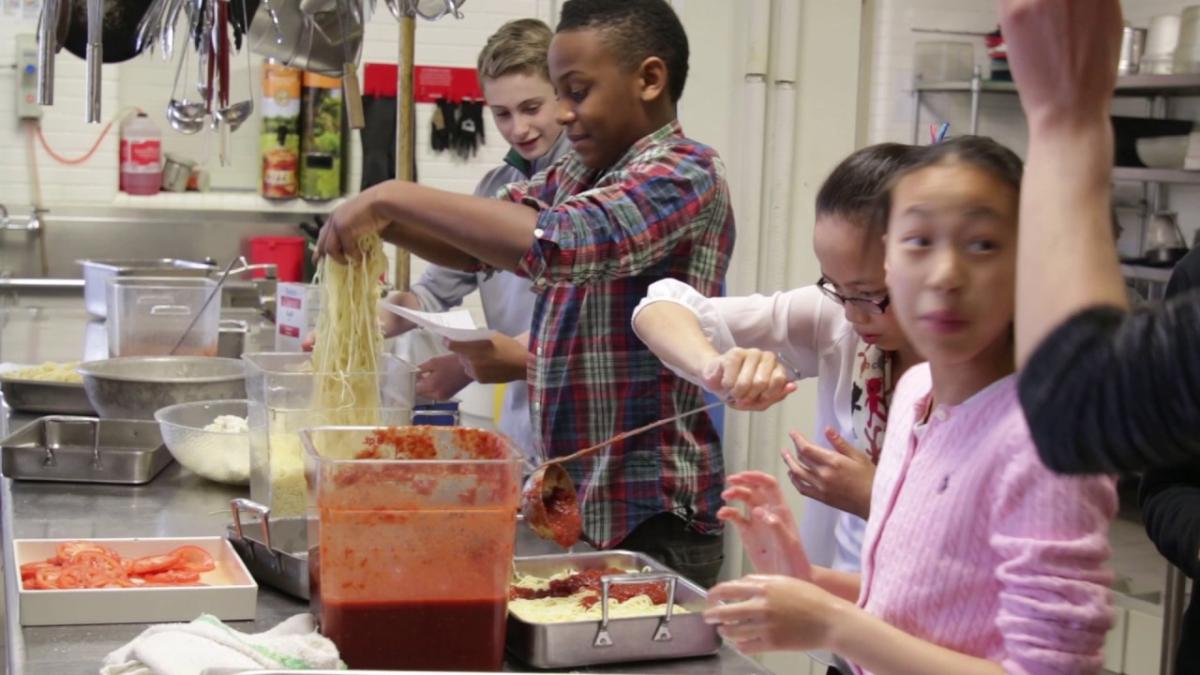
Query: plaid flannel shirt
{"x": 662, "y": 211}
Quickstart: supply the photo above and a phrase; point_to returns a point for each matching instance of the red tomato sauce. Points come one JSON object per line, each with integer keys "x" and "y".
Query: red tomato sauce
{"x": 590, "y": 581}
{"x": 428, "y": 635}
{"x": 563, "y": 517}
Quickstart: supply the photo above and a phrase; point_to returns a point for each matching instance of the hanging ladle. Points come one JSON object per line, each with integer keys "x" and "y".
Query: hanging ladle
{"x": 184, "y": 116}
{"x": 550, "y": 504}
{"x": 232, "y": 116}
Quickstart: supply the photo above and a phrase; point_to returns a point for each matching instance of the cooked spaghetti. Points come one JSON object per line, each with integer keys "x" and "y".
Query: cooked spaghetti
{"x": 47, "y": 372}
{"x": 349, "y": 339}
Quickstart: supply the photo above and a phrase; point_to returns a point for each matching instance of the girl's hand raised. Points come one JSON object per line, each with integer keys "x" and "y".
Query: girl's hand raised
{"x": 841, "y": 477}
{"x": 766, "y": 526}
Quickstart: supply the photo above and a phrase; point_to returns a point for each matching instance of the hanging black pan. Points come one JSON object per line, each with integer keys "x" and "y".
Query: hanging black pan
{"x": 121, "y": 18}
{"x": 119, "y": 35}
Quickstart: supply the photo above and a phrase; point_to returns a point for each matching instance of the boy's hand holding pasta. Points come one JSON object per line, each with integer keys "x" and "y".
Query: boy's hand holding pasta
{"x": 347, "y": 225}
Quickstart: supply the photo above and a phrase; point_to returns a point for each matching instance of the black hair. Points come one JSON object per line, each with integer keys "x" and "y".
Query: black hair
{"x": 856, "y": 186}
{"x": 635, "y": 30}
{"x": 981, "y": 152}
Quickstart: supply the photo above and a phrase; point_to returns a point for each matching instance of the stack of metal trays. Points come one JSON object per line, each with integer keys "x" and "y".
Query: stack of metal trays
{"x": 582, "y": 643}
{"x": 280, "y": 557}
{"x": 85, "y": 450}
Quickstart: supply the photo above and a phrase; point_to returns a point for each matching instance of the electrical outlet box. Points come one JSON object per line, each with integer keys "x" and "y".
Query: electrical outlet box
{"x": 27, "y": 77}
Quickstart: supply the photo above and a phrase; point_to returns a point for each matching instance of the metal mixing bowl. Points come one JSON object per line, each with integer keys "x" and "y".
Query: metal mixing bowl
{"x": 133, "y": 387}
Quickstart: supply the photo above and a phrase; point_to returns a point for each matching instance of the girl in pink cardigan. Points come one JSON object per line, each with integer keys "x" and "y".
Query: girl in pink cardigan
{"x": 976, "y": 558}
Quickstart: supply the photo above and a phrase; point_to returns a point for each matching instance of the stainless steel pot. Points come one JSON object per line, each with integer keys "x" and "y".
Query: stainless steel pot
{"x": 96, "y": 274}
{"x": 307, "y": 35}
{"x": 135, "y": 387}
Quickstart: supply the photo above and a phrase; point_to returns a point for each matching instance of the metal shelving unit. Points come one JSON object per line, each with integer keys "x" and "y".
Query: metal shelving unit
{"x": 1158, "y": 90}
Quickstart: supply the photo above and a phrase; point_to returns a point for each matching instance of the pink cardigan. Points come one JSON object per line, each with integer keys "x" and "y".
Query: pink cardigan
{"x": 974, "y": 545}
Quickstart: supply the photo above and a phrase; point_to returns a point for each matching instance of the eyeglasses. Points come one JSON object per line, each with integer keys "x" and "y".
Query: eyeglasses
{"x": 868, "y": 305}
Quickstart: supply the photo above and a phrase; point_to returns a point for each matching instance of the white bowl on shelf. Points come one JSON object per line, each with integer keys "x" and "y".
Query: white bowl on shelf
{"x": 1163, "y": 152}
{"x": 221, "y": 456}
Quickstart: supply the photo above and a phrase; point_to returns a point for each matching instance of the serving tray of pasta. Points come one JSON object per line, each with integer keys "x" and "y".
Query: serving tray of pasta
{"x": 577, "y": 609}
{"x": 47, "y": 388}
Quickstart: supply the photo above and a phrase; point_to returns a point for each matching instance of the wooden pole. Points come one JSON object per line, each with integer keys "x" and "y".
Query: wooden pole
{"x": 405, "y": 141}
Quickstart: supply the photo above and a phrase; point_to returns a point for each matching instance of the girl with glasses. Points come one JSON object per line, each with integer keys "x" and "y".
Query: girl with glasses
{"x": 841, "y": 331}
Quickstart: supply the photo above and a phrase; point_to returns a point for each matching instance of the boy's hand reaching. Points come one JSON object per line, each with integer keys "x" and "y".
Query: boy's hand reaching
{"x": 767, "y": 528}
{"x": 841, "y": 477}
{"x": 440, "y": 378}
{"x": 349, "y": 223}
{"x": 501, "y": 359}
{"x": 752, "y": 379}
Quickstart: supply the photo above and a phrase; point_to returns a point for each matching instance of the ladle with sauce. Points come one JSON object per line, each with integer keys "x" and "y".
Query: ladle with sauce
{"x": 550, "y": 504}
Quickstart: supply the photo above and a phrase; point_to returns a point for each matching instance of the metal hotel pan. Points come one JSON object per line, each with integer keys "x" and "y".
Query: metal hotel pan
{"x": 280, "y": 558}
{"x": 583, "y": 643}
{"x": 37, "y": 396}
{"x": 85, "y": 450}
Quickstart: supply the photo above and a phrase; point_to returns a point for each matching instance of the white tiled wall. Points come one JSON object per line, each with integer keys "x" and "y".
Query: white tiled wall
{"x": 146, "y": 82}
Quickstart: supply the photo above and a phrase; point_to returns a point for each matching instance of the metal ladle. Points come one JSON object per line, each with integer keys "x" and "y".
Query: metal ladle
{"x": 184, "y": 116}
{"x": 550, "y": 490}
{"x": 234, "y": 115}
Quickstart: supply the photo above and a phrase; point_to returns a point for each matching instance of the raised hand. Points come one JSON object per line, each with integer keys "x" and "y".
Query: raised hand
{"x": 765, "y": 524}
{"x": 1063, "y": 55}
{"x": 841, "y": 477}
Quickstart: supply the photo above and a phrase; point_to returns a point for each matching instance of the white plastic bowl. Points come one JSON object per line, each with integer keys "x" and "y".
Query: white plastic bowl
{"x": 221, "y": 456}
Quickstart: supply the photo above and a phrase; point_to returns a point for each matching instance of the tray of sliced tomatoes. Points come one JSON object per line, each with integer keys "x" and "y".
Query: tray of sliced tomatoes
{"x": 131, "y": 580}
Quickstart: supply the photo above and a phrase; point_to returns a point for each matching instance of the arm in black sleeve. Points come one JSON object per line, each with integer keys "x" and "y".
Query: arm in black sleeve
{"x": 1170, "y": 501}
{"x": 1114, "y": 392}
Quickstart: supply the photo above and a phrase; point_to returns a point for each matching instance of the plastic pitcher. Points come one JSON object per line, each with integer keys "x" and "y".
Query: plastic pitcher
{"x": 282, "y": 389}
{"x": 411, "y": 543}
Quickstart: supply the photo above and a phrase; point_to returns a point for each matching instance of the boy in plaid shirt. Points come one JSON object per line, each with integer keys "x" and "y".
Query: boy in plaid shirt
{"x": 634, "y": 202}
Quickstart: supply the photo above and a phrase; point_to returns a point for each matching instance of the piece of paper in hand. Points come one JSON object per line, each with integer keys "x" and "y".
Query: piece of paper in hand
{"x": 456, "y": 326}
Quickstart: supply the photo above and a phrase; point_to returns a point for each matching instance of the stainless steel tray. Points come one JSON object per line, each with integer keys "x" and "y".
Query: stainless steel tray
{"x": 85, "y": 450}
{"x": 63, "y": 398}
{"x": 280, "y": 558}
{"x": 583, "y": 643}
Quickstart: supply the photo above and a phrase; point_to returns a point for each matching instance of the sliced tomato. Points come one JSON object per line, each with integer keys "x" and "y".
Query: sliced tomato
{"x": 194, "y": 559}
{"x": 29, "y": 570}
{"x": 101, "y": 562}
{"x": 72, "y": 577}
{"x": 47, "y": 577}
{"x": 68, "y": 549}
{"x": 153, "y": 563}
{"x": 173, "y": 577}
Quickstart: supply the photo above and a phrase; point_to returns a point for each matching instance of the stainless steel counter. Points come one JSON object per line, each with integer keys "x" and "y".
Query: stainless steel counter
{"x": 176, "y": 503}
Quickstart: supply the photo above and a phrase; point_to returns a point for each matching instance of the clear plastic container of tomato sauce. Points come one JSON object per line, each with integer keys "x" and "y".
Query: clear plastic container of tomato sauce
{"x": 412, "y": 551}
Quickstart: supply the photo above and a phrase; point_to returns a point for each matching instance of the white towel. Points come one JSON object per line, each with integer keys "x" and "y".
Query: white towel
{"x": 190, "y": 648}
